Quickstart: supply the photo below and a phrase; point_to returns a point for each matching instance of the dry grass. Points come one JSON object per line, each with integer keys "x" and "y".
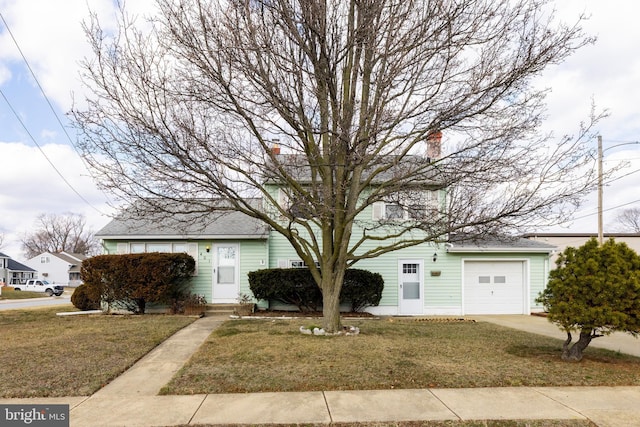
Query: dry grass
{"x": 10, "y": 293}
{"x": 271, "y": 355}
{"x": 47, "y": 355}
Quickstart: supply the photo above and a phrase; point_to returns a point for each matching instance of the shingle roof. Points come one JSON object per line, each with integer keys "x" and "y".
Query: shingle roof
{"x": 3, "y": 255}
{"x": 391, "y": 167}
{"x": 16, "y": 266}
{"x": 463, "y": 243}
{"x": 70, "y": 258}
{"x": 219, "y": 225}
{"x": 594, "y": 234}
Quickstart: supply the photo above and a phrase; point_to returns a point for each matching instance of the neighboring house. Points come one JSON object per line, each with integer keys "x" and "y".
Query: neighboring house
{"x": 455, "y": 278}
{"x": 4, "y": 269}
{"x": 562, "y": 240}
{"x": 61, "y": 268}
{"x": 13, "y": 273}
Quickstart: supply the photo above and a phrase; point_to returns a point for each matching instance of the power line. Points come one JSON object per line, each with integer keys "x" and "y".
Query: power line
{"x": 15, "y": 113}
{"x": 604, "y": 210}
{"x": 33, "y": 74}
{"x": 64, "y": 129}
{"x": 623, "y": 176}
{"x": 622, "y": 141}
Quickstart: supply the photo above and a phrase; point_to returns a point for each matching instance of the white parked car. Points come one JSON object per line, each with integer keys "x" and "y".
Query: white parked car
{"x": 37, "y": 285}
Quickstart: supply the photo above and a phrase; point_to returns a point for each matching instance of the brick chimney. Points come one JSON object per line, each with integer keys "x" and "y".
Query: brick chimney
{"x": 434, "y": 145}
{"x": 275, "y": 149}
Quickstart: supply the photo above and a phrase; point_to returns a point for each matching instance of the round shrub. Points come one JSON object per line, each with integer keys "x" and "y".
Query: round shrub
{"x": 85, "y": 298}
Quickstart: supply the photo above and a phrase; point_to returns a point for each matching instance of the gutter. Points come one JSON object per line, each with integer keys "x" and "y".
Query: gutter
{"x": 499, "y": 250}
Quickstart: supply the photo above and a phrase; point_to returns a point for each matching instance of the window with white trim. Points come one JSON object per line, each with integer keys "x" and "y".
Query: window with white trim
{"x": 297, "y": 206}
{"x": 159, "y": 247}
{"x": 137, "y": 248}
{"x": 143, "y": 247}
{"x": 416, "y": 206}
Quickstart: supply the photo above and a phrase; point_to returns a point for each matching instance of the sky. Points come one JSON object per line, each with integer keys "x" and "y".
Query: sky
{"x": 41, "y": 171}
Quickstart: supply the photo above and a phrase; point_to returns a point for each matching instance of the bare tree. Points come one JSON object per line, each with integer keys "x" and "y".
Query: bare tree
{"x": 628, "y": 220}
{"x": 57, "y": 233}
{"x": 185, "y": 110}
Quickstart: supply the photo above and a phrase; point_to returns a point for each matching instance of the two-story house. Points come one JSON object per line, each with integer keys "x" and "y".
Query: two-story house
{"x": 454, "y": 276}
{"x": 13, "y": 272}
{"x": 61, "y": 268}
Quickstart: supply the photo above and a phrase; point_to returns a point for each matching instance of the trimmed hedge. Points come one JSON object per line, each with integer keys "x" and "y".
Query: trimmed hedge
{"x": 133, "y": 280}
{"x": 361, "y": 288}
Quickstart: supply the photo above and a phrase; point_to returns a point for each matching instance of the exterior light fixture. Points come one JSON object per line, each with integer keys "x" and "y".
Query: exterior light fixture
{"x": 435, "y": 256}
{"x": 207, "y": 248}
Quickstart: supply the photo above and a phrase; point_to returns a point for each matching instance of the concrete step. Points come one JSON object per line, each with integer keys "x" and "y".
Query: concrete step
{"x": 221, "y": 309}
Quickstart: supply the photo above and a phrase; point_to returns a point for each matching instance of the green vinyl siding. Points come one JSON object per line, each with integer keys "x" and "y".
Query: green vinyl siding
{"x": 538, "y": 278}
{"x": 386, "y": 264}
{"x": 253, "y": 256}
{"x": 201, "y": 283}
{"x": 252, "y": 252}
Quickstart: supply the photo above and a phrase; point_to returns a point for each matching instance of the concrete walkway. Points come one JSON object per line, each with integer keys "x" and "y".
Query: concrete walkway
{"x": 618, "y": 341}
{"x": 131, "y": 399}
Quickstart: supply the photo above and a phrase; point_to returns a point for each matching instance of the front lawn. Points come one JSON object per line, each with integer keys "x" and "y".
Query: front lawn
{"x": 271, "y": 355}
{"x": 10, "y": 293}
{"x": 44, "y": 355}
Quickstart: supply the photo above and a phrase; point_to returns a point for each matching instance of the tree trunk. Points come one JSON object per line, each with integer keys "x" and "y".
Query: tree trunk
{"x": 331, "y": 286}
{"x": 331, "y": 311}
{"x": 574, "y": 353}
{"x": 141, "y": 304}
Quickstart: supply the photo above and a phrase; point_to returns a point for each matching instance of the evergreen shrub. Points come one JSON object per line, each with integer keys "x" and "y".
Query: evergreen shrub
{"x": 85, "y": 298}
{"x": 133, "y": 280}
{"x": 295, "y": 286}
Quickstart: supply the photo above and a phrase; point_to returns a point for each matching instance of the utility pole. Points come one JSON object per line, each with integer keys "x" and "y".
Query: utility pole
{"x": 600, "y": 232}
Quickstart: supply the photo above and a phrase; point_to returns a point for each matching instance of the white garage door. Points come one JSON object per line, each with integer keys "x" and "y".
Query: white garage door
{"x": 494, "y": 287}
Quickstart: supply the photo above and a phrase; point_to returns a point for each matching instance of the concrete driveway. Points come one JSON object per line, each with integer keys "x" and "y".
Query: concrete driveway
{"x": 624, "y": 343}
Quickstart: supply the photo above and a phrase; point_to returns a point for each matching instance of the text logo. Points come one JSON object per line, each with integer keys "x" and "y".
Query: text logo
{"x": 34, "y": 415}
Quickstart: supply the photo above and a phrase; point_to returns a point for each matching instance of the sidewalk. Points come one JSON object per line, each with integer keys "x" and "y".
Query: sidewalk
{"x": 132, "y": 400}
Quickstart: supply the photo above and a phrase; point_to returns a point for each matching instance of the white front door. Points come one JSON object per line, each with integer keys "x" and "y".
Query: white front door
{"x": 410, "y": 282}
{"x": 226, "y": 278}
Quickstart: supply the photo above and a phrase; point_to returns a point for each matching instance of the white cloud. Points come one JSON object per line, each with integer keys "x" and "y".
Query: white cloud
{"x": 31, "y": 186}
{"x": 50, "y": 36}
{"x": 609, "y": 73}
